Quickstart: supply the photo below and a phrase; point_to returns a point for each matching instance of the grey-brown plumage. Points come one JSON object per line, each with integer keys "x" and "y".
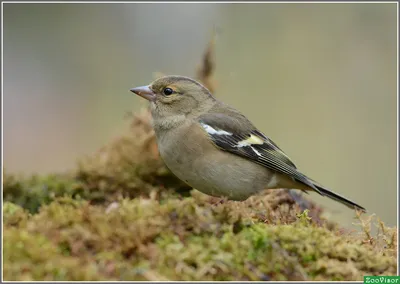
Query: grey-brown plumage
{"x": 216, "y": 149}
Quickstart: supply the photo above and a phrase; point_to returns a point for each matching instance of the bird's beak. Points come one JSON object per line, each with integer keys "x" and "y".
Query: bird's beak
{"x": 144, "y": 92}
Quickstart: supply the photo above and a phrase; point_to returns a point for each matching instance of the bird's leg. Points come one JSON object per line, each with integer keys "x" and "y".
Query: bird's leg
{"x": 302, "y": 202}
{"x": 217, "y": 200}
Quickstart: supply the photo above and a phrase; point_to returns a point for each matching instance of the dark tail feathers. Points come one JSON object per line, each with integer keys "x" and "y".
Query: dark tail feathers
{"x": 339, "y": 198}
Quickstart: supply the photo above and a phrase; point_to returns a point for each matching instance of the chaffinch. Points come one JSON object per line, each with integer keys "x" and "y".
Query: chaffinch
{"x": 216, "y": 149}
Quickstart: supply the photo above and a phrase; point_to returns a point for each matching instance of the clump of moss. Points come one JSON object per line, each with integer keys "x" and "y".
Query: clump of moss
{"x": 385, "y": 239}
{"x": 14, "y": 215}
{"x": 31, "y": 192}
{"x": 32, "y": 256}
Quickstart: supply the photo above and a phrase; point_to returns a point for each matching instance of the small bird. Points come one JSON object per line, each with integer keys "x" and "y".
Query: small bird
{"x": 214, "y": 148}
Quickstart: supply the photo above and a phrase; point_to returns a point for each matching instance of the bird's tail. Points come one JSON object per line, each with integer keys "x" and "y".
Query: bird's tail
{"x": 305, "y": 183}
{"x": 339, "y": 198}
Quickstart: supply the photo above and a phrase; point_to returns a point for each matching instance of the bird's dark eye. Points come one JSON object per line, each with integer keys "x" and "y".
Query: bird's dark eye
{"x": 168, "y": 91}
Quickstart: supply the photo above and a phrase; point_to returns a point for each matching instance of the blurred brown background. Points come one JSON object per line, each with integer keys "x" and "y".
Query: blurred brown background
{"x": 319, "y": 79}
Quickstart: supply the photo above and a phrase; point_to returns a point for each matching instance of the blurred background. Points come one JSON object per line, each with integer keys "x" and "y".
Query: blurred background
{"x": 319, "y": 79}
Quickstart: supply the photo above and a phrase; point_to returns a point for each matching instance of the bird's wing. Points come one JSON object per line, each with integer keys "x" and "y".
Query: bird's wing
{"x": 237, "y": 135}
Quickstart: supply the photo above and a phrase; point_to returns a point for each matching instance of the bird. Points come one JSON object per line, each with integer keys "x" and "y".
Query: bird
{"x": 215, "y": 149}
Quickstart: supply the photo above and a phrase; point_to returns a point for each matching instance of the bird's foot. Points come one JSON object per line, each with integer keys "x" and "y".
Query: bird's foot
{"x": 217, "y": 201}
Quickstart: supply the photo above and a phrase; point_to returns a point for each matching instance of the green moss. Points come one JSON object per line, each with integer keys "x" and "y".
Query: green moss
{"x": 179, "y": 239}
{"x": 31, "y": 192}
{"x": 13, "y": 215}
{"x": 31, "y": 256}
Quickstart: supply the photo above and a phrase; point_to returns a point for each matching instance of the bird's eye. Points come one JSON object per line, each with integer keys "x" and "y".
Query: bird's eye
{"x": 168, "y": 91}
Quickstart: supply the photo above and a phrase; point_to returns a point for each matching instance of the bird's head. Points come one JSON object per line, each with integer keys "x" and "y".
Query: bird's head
{"x": 175, "y": 95}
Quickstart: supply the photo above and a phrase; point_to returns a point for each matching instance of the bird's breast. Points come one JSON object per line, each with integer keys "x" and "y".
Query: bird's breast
{"x": 180, "y": 152}
{"x": 215, "y": 172}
